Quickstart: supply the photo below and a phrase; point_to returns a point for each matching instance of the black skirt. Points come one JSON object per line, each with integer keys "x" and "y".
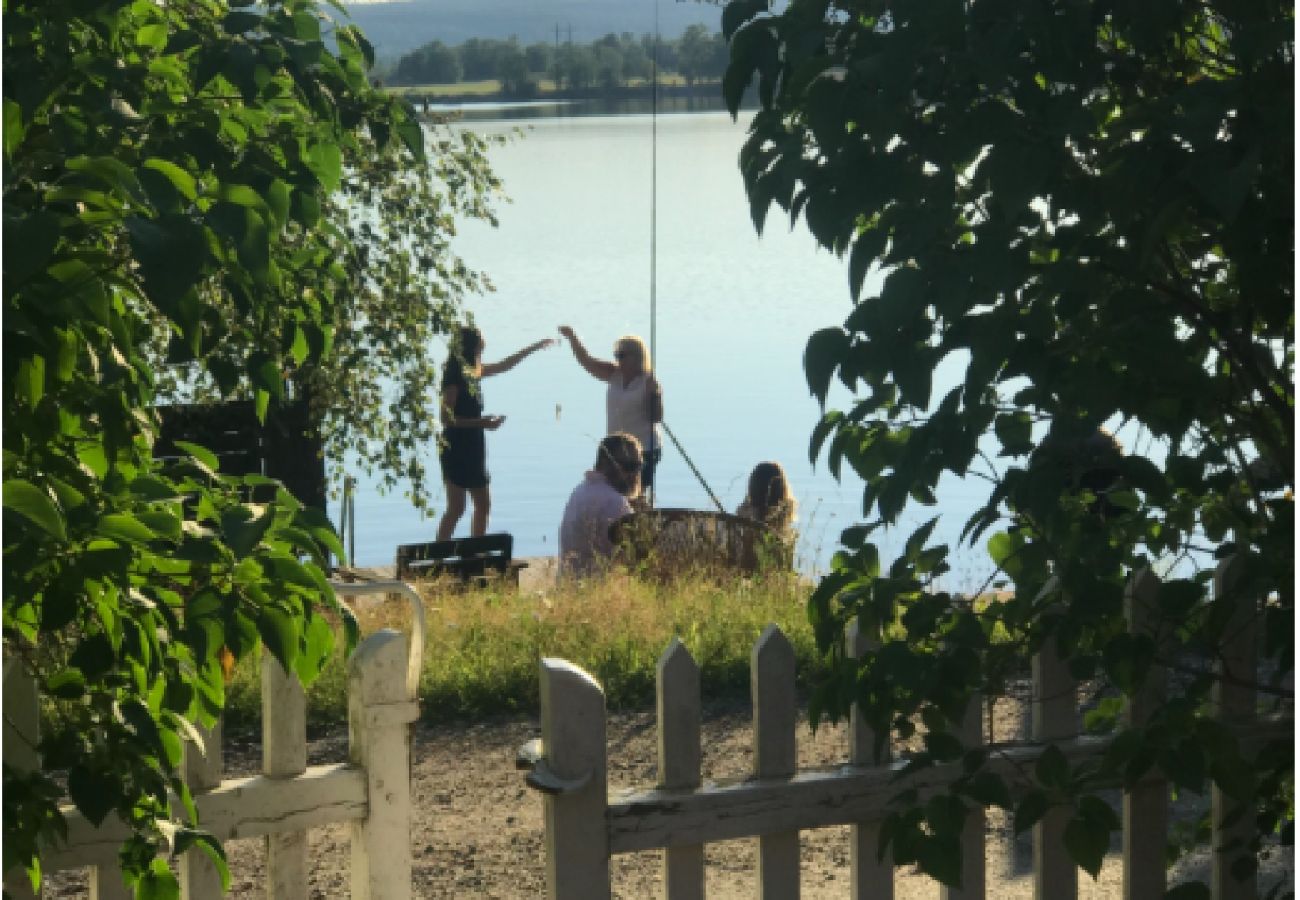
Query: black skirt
{"x": 464, "y": 458}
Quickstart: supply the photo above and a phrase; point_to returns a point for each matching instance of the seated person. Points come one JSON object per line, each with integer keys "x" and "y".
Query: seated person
{"x": 597, "y": 502}
{"x": 770, "y": 501}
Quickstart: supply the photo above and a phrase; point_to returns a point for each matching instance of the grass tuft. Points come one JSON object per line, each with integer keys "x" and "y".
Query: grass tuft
{"x": 483, "y": 646}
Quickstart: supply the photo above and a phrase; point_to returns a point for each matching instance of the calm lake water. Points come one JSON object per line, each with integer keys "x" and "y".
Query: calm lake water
{"x": 734, "y": 313}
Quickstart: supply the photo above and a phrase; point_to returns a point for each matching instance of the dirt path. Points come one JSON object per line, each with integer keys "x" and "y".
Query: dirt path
{"x": 477, "y": 830}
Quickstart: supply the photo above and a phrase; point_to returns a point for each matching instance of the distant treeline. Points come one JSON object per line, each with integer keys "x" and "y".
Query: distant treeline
{"x": 609, "y": 63}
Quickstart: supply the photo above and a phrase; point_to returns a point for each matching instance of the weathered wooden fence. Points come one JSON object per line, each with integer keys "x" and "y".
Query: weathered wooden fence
{"x": 371, "y": 790}
{"x": 585, "y": 826}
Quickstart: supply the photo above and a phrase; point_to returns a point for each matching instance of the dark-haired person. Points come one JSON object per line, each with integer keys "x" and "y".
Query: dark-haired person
{"x": 634, "y": 400}
{"x": 600, "y": 499}
{"x": 464, "y": 446}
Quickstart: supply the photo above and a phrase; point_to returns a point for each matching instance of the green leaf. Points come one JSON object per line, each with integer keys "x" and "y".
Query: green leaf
{"x": 326, "y": 162}
{"x": 14, "y": 129}
{"x": 737, "y": 13}
{"x": 1052, "y": 769}
{"x": 988, "y": 789}
{"x": 125, "y": 527}
{"x": 319, "y": 646}
{"x": 241, "y": 22}
{"x": 1031, "y": 808}
{"x": 244, "y": 532}
{"x": 91, "y": 792}
{"x": 822, "y": 356}
{"x": 180, "y": 179}
{"x": 35, "y": 505}
{"x": 1086, "y": 841}
{"x": 205, "y": 456}
{"x": 158, "y": 883}
{"x": 67, "y": 684}
{"x": 31, "y": 380}
{"x": 172, "y": 252}
{"x": 29, "y": 243}
{"x": 94, "y": 656}
{"x": 242, "y": 195}
{"x": 1014, "y": 431}
{"x": 280, "y": 632}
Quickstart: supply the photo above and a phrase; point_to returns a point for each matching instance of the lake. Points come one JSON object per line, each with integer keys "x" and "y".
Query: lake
{"x": 734, "y": 311}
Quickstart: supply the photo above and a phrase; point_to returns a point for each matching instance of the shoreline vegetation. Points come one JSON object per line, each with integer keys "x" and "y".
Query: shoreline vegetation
{"x": 613, "y": 67}
{"x": 430, "y": 98}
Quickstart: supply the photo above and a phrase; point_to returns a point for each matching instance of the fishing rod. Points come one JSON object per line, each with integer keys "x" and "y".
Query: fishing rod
{"x": 694, "y": 471}
{"x": 654, "y": 206}
{"x": 654, "y": 249}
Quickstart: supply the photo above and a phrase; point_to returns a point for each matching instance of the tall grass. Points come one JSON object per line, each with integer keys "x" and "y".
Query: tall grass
{"x": 483, "y": 646}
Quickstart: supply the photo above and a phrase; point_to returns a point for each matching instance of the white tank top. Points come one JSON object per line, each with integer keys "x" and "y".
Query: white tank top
{"x": 625, "y": 410}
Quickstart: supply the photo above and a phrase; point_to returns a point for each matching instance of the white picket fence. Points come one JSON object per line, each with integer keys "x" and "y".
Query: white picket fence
{"x": 371, "y": 790}
{"x": 585, "y": 826}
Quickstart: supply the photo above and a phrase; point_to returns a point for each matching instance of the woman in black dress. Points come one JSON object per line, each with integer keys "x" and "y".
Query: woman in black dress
{"x": 464, "y": 449}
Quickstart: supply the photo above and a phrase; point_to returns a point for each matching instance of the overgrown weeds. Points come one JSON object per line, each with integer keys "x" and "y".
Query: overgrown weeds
{"x": 483, "y": 646}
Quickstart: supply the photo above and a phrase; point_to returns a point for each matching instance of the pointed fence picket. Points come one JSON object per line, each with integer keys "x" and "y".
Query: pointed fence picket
{"x": 871, "y": 877}
{"x": 1234, "y": 701}
{"x": 585, "y": 826}
{"x": 678, "y": 706}
{"x": 371, "y": 791}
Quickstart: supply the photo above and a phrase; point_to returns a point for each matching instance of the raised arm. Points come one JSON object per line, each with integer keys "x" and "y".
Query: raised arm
{"x": 599, "y": 368}
{"x": 515, "y": 359}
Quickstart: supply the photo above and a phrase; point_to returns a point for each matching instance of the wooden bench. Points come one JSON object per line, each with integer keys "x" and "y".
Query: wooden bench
{"x": 474, "y": 559}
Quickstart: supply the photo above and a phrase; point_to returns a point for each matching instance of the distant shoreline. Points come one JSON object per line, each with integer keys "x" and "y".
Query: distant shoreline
{"x": 429, "y": 99}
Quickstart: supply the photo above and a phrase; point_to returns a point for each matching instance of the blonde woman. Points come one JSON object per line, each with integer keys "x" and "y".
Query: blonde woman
{"x": 634, "y": 401}
{"x": 769, "y": 499}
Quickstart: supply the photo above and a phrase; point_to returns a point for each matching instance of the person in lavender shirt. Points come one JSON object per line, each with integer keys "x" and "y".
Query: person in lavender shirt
{"x": 602, "y": 497}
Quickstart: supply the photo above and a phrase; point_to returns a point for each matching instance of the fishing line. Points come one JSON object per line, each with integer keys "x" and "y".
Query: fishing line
{"x": 654, "y": 250}
{"x": 654, "y": 209}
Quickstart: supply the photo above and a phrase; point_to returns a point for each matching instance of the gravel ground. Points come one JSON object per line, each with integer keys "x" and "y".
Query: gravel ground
{"x": 477, "y": 829}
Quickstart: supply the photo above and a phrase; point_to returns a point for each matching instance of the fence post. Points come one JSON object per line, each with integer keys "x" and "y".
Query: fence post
{"x": 198, "y": 876}
{"x": 1146, "y": 808}
{"x": 871, "y": 877}
{"x": 1232, "y": 702}
{"x": 284, "y": 755}
{"x": 678, "y": 695}
{"x": 379, "y": 712}
{"x": 21, "y": 733}
{"x": 573, "y": 739}
{"x": 1054, "y": 718}
{"x": 772, "y": 685}
{"x": 973, "y": 837}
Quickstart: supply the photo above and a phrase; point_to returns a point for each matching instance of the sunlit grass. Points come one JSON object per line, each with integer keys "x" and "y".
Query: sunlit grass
{"x": 483, "y": 646}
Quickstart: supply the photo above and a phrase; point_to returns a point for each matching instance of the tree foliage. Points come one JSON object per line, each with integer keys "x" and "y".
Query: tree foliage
{"x": 1087, "y": 208}
{"x": 168, "y": 185}
{"x": 608, "y": 62}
